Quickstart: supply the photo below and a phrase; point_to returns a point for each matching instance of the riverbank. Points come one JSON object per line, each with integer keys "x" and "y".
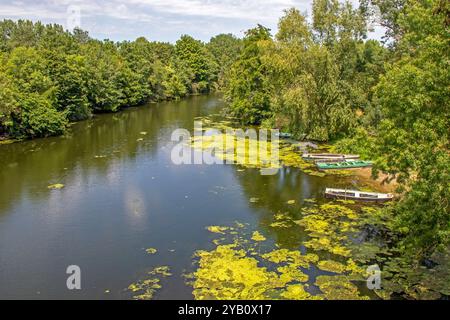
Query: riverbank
{"x": 380, "y": 184}
{"x": 4, "y": 141}
{"x": 8, "y": 139}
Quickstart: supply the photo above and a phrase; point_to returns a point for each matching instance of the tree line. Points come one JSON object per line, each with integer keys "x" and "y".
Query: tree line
{"x": 50, "y": 77}
{"x": 320, "y": 78}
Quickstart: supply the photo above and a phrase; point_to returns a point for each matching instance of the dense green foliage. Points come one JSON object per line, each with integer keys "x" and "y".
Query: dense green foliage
{"x": 248, "y": 89}
{"x": 322, "y": 80}
{"x": 313, "y": 78}
{"x": 414, "y": 133}
{"x": 50, "y": 76}
{"x": 225, "y": 48}
{"x": 411, "y": 136}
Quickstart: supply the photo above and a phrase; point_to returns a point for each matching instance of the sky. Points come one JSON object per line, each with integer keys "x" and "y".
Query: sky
{"x": 159, "y": 20}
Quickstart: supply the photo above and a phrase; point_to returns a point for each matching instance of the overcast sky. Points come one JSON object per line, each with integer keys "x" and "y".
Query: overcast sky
{"x": 162, "y": 20}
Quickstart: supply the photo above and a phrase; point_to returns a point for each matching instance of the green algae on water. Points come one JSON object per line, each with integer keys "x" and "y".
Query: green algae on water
{"x": 151, "y": 250}
{"x": 56, "y": 186}
{"x": 338, "y": 288}
{"x": 217, "y": 229}
{"x": 146, "y": 289}
{"x": 258, "y": 236}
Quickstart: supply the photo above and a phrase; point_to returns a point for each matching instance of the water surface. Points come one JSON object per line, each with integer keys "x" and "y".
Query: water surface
{"x": 122, "y": 196}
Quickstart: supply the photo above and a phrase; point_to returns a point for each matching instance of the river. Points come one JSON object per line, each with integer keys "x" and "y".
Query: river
{"x": 122, "y": 195}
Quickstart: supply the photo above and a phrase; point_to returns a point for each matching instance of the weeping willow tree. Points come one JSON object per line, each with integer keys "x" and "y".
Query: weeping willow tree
{"x": 310, "y": 79}
{"x": 321, "y": 66}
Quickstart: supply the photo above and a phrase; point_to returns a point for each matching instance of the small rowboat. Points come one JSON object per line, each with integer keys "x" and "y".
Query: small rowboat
{"x": 344, "y": 165}
{"x": 329, "y": 156}
{"x": 284, "y": 135}
{"x": 358, "y": 195}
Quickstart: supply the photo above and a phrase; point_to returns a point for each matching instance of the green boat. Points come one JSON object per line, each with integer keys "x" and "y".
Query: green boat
{"x": 344, "y": 165}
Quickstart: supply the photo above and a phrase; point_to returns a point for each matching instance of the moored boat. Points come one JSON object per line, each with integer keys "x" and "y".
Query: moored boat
{"x": 285, "y": 135}
{"x": 358, "y": 195}
{"x": 343, "y": 165}
{"x": 329, "y": 156}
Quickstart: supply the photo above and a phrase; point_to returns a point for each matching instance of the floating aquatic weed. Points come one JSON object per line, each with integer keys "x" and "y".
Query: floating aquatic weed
{"x": 217, "y": 229}
{"x": 316, "y": 225}
{"x": 332, "y": 266}
{"x": 56, "y": 186}
{"x": 328, "y": 219}
{"x": 280, "y": 216}
{"x": 346, "y": 201}
{"x": 162, "y": 270}
{"x": 325, "y": 244}
{"x": 151, "y": 250}
{"x": 282, "y": 220}
{"x": 375, "y": 216}
{"x": 338, "y": 288}
{"x": 238, "y": 151}
{"x": 7, "y": 141}
{"x": 360, "y": 234}
{"x": 329, "y": 225}
{"x": 238, "y": 270}
{"x": 317, "y": 174}
{"x": 297, "y": 292}
{"x": 335, "y": 210}
{"x": 254, "y": 200}
{"x": 366, "y": 251}
{"x": 227, "y": 273}
{"x": 292, "y": 272}
{"x": 415, "y": 281}
{"x": 147, "y": 288}
{"x": 280, "y": 224}
{"x": 293, "y": 257}
{"x": 258, "y": 236}
{"x": 291, "y": 202}
{"x": 355, "y": 271}
{"x": 240, "y": 224}
{"x": 143, "y": 133}
{"x": 333, "y": 228}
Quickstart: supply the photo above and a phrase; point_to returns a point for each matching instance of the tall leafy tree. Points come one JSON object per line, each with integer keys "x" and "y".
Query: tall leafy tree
{"x": 8, "y": 96}
{"x": 248, "y": 90}
{"x": 194, "y": 55}
{"x": 414, "y": 135}
{"x": 35, "y": 114}
{"x": 387, "y": 14}
{"x": 225, "y": 49}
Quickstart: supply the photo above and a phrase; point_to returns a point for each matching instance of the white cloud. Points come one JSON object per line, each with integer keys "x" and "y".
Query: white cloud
{"x": 262, "y": 10}
{"x": 232, "y": 9}
{"x": 157, "y": 19}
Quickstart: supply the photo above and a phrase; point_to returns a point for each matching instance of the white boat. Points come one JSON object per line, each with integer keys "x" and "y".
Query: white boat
{"x": 285, "y": 135}
{"x": 358, "y": 195}
{"x": 329, "y": 156}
